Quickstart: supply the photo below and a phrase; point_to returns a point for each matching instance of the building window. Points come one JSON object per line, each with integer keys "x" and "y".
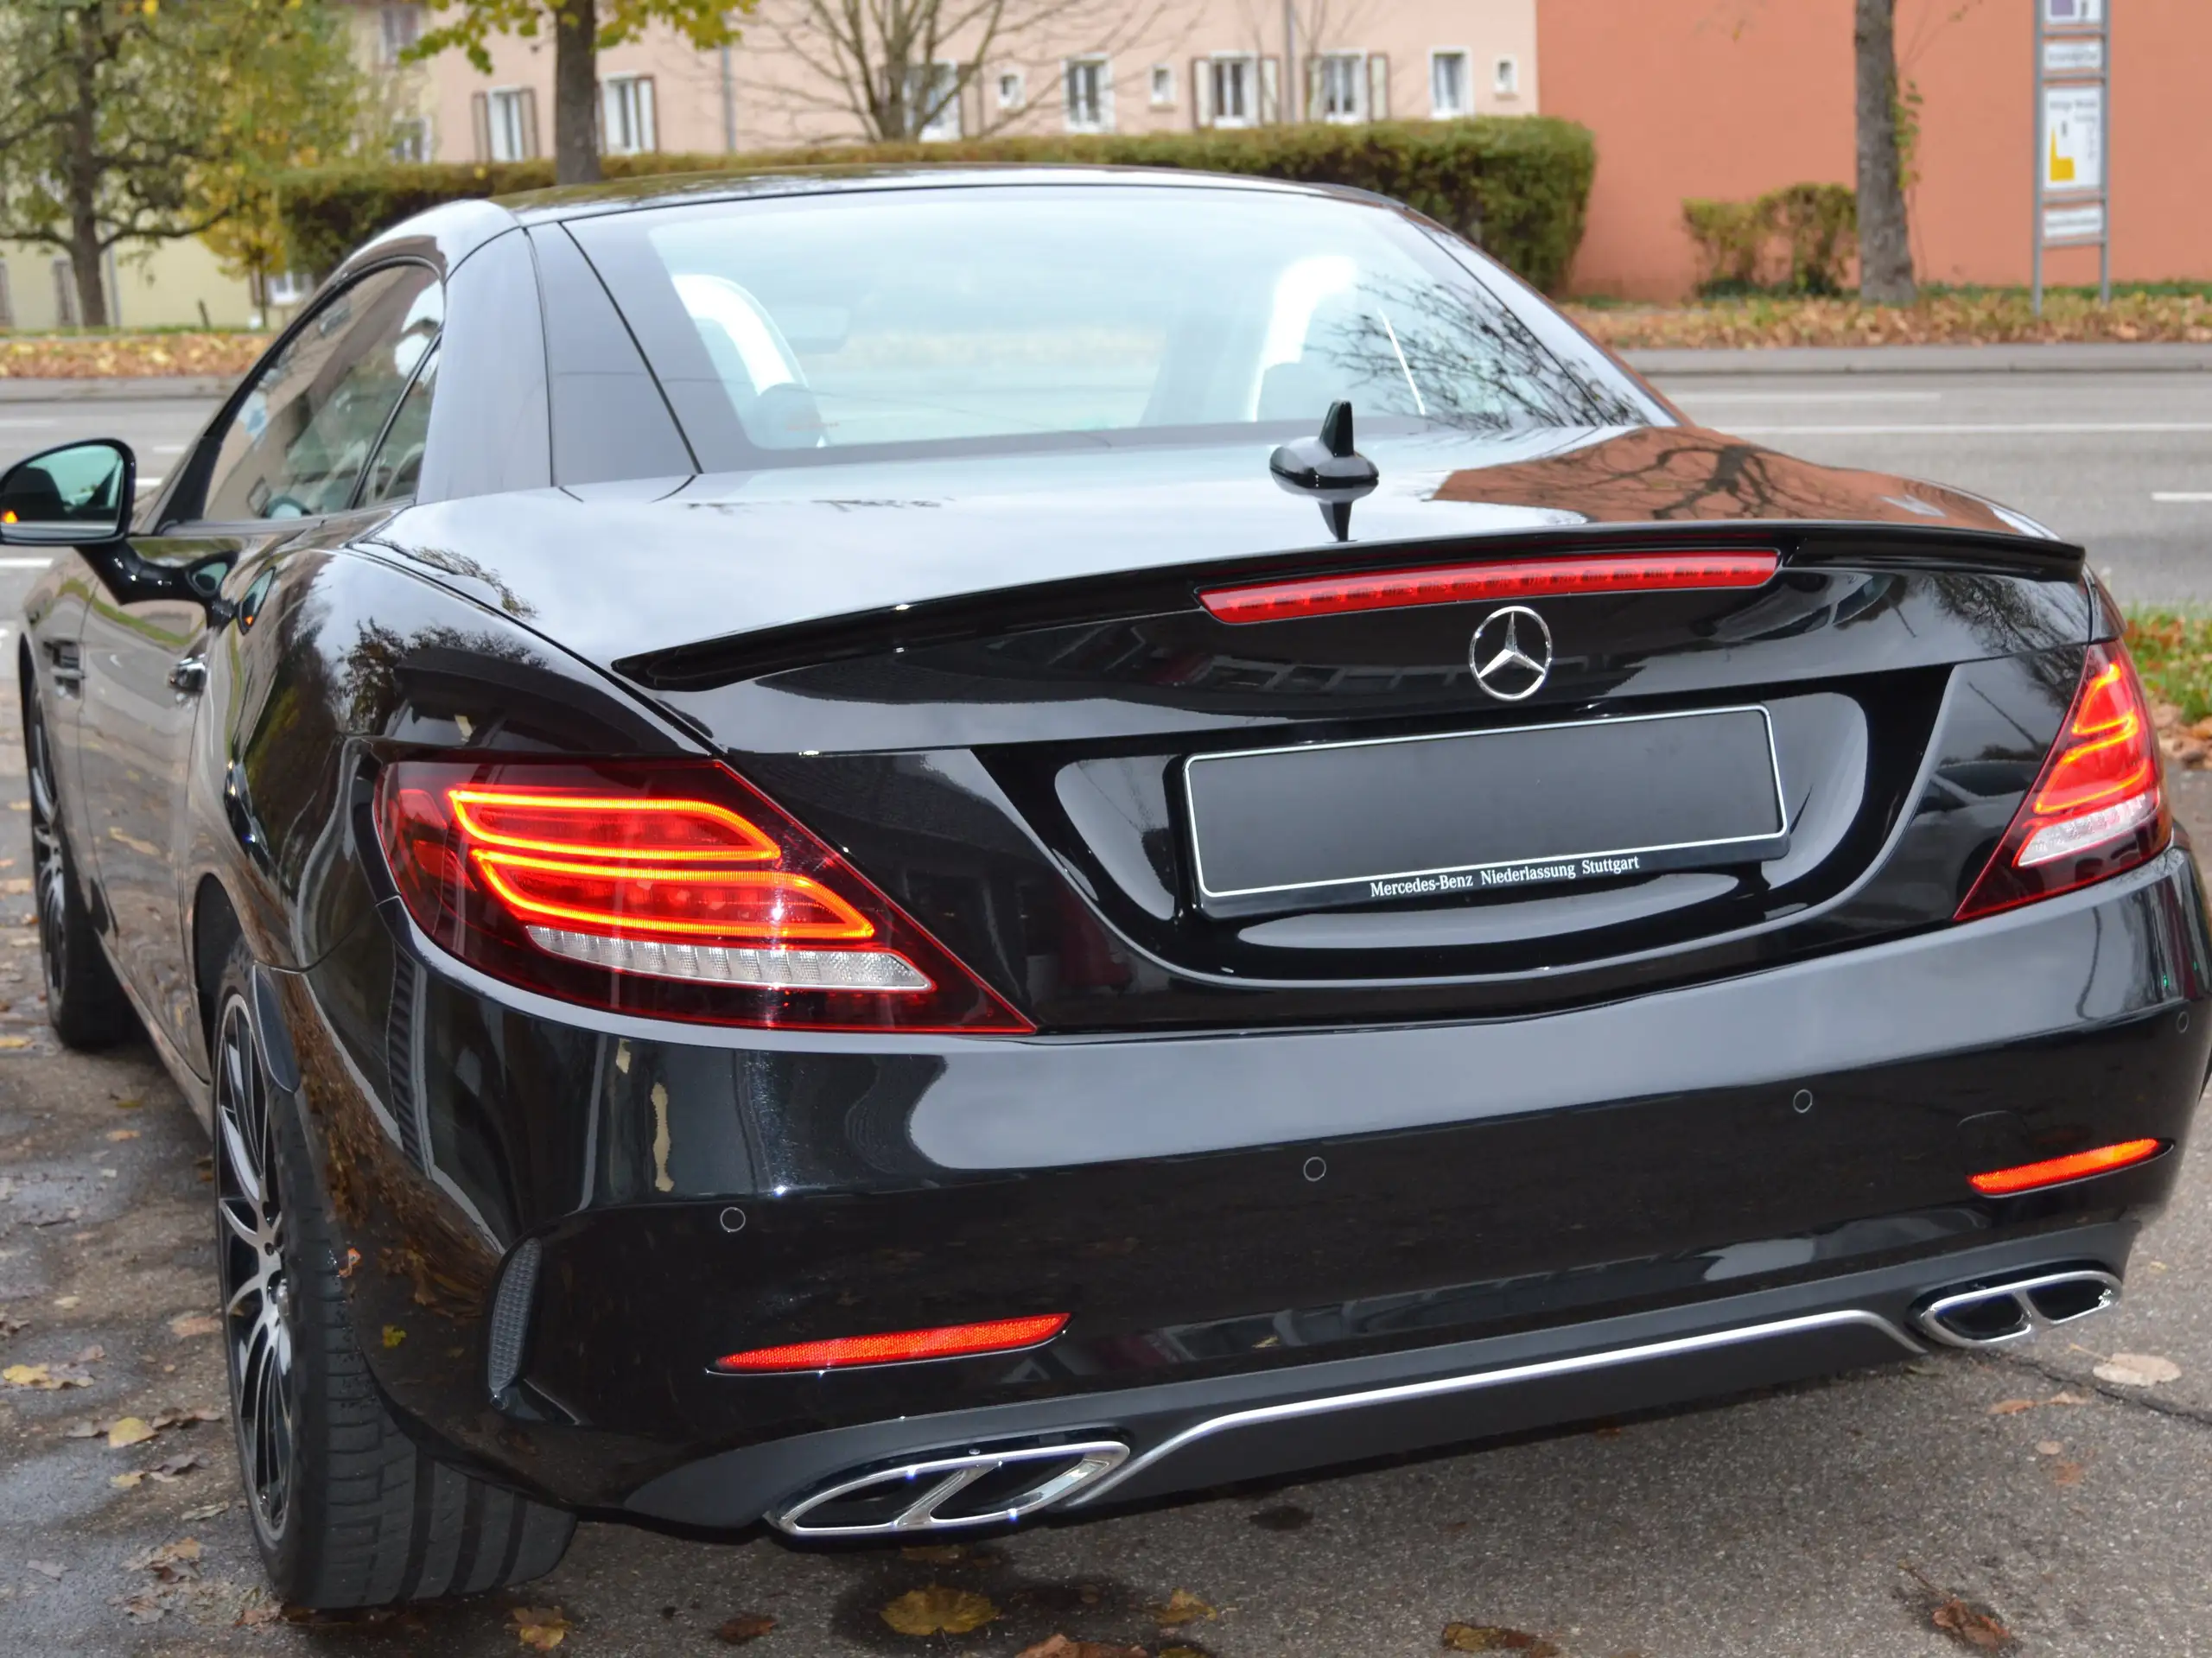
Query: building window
{"x": 398, "y": 28}
{"x": 1234, "y": 84}
{"x": 288, "y": 288}
{"x": 1505, "y": 78}
{"x": 1013, "y": 91}
{"x": 65, "y": 294}
{"x": 1090, "y": 95}
{"x": 411, "y": 140}
{"x": 933, "y": 102}
{"x": 625, "y": 116}
{"x": 1163, "y": 87}
{"x": 1339, "y": 91}
{"x": 1447, "y": 85}
{"x": 506, "y": 124}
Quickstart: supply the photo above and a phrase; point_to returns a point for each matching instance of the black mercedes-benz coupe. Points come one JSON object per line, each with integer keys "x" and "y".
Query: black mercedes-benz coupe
{"x": 885, "y": 852}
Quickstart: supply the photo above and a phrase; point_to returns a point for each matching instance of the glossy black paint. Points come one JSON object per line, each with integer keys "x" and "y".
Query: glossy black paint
{"x": 978, "y": 674}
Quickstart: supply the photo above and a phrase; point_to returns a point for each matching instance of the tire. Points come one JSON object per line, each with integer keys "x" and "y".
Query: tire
{"x": 346, "y": 1510}
{"x": 84, "y": 1003}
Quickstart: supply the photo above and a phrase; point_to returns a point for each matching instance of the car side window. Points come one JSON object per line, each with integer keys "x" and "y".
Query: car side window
{"x": 394, "y": 474}
{"x": 302, "y": 439}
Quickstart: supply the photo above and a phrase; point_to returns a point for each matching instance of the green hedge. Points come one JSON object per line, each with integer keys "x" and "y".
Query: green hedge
{"x": 1515, "y": 186}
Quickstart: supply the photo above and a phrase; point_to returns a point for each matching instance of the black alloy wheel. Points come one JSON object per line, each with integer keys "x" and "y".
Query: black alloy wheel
{"x": 258, "y": 1326}
{"x": 84, "y": 1003}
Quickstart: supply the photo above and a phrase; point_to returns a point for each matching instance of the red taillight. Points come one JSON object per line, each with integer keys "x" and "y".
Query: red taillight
{"x": 902, "y": 1346}
{"x": 1458, "y": 584}
{"x": 676, "y": 890}
{"x": 2030, "y": 1176}
{"x": 2097, "y": 807}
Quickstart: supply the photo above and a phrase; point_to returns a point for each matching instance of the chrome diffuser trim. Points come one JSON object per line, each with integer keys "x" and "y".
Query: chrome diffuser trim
{"x": 1480, "y": 1380}
{"x": 940, "y": 1478}
{"x": 2018, "y": 1293}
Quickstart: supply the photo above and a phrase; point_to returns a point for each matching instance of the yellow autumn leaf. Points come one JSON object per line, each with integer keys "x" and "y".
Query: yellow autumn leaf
{"x": 393, "y": 1335}
{"x": 127, "y": 1481}
{"x": 937, "y": 1610}
{"x": 1183, "y": 1607}
{"x": 539, "y": 1628}
{"x": 128, "y": 1430}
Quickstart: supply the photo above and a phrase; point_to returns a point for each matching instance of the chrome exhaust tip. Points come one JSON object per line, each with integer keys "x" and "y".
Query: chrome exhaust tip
{"x": 1995, "y": 1315}
{"x": 953, "y": 1492}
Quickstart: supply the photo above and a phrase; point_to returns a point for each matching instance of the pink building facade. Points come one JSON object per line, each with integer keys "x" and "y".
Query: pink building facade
{"x": 1730, "y": 98}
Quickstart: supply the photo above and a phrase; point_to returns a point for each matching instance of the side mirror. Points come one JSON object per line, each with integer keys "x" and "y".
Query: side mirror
{"x": 78, "y": 495}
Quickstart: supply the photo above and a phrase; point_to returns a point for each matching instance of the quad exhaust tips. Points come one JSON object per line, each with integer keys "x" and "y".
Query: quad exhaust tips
{"x": 1992, "y": 1315}
{"x": 974, "y": 1488}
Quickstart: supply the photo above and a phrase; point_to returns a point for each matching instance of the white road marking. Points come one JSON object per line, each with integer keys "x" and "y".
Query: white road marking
{"x": 2180, "y": 494}
{"x": 24, "y": 563}
{"x": 1687, "y": 396}
{"x": 2012, "y": 429}
{"x": 28, "y": 424}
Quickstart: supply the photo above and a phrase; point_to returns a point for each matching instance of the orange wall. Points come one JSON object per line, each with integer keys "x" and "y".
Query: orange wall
{"x": 1731, "y": 98}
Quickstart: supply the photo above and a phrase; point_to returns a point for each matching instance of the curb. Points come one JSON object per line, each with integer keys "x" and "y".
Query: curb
{"x": 198, "y": 388}
{"x": 2074, "y": 357}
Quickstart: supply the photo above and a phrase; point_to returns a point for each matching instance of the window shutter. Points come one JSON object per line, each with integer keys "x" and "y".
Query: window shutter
{"x": 480, "y": 121}
{"x": 1378, "y": 86}
{"x": 530, "y": 124}
{"x": 1106, "y": 94}
{"x": 1201, "y": 92}
{"x": 605, "y": 118}
{"x": 648, "y": 120}
{"x": 1316, "y": 98}
{"x": 1270, "y": 90}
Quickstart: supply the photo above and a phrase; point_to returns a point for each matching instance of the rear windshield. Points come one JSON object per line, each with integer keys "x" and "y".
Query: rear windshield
{"x": 983, "y": 316}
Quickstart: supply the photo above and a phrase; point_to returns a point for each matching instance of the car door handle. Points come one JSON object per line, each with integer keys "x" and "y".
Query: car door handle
{"x": 189, "y": 676}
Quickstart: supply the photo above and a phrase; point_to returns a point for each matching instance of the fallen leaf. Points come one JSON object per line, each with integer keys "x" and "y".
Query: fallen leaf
{"x": 195, "y": 1323}
{"x": 1183, "y": 1607}
{"x": 746, "y": 1626}
{"x": 938, "y": 1608}
{"x": 123, "y": 1134}
{"x": 2047, "y": 1447}
{"x": 353, "y": 1259}
{"x": 126, "y": 1482}
{"x": 393, "y": 1335}
{"x": 1059, "y": 1646}
{"x": 128, "y": 1430}
{"x": 91, "y": 1355}
{"x": 2066, "y": 1473}
{"x": 2068, "y": 1399}
{"x": 177, "y": 1562}
{"x": 1970, "y": 1626}
{"x": 208, "y": 1510}
{"x": 2138, "y": 1370}
{"x": 1181, "y": 1652}
{"x": 1491, "y": 1638}
{"x": 539, "y": 1628}
{"x": 2010, "y": 1406}
{"x": 67, "y": 1302}
{"x": 52, "y": 1569}
{"x": 12, "y": 1326}
{"x": 253, "y": 1617}
{"x": 47, "y": 1378}
{"x": 175, "y": 1467}
{"x": 15, "y": 1042}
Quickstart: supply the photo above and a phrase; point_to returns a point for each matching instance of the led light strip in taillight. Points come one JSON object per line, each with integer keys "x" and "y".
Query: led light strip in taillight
{"x": 901, "y": 1346}
{"x": 1458, "y": 584}
{"x": 601, "y": 881}
{"x": 2098, "y": 805}
{"x": 2056, "y": 1170}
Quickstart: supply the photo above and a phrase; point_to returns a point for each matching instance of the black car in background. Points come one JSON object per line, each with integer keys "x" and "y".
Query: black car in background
{"x": 890, "y": 851}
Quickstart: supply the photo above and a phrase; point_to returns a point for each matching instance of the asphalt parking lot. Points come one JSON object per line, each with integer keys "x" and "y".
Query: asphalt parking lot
{"x": 1857, "y": 1516}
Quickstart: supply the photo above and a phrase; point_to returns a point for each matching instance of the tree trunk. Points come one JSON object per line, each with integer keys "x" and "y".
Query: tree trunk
{"x": 82, "y": 182}
{"x": 1884, "y": 241}
{"x": 575, "y": 91}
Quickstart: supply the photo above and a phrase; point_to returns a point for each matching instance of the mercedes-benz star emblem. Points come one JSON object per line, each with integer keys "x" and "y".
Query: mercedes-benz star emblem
{"x": 1511, "y": 653}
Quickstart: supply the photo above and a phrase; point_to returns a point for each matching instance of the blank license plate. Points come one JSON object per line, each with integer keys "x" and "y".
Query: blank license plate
{"x": 1537, "y": 807}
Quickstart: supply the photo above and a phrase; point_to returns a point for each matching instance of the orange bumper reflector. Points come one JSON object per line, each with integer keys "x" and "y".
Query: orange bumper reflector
{"x": 902, "y": 1346}
{"x": 2027, "y": 1176}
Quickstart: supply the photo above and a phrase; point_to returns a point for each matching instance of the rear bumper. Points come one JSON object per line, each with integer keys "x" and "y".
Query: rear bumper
{"x": 1187, "y": 1436}
{"x": 1235, "y": 1222}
